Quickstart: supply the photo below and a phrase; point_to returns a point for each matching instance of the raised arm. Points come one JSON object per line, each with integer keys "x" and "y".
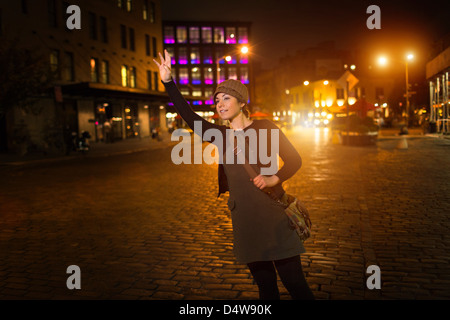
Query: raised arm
{"x": 183, "y": 108}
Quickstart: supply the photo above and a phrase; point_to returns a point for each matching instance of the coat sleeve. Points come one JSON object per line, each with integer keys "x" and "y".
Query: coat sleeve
{"x": 185, "y": 110}
{"x": 292, "y": 161}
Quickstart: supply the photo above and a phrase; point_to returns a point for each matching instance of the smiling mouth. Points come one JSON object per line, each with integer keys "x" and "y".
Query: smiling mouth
{"x": 222, "y": 111}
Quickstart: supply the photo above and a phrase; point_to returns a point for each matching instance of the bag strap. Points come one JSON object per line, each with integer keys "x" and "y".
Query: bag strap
{"x": 249, "y": 168}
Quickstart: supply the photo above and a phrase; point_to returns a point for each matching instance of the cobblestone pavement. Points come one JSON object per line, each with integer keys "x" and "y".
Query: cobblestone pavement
{"x": 140, "y": 227}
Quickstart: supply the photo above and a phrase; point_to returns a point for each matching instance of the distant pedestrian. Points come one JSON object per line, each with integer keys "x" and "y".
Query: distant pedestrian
{"x": 262, "y": 237}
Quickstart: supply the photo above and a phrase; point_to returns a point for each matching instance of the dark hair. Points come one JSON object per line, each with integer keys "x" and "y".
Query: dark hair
{"x": 246, "y": 111}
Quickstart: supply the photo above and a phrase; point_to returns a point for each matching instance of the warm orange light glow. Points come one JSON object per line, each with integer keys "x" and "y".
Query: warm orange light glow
{"x": 382, "y": 61}
{"x": 244, "y": 49}
{"x": 325, "y": 82}
{"x": 306, "y": 82}
{"x": 228, "y": 58}
{"x": 410, "y": 56}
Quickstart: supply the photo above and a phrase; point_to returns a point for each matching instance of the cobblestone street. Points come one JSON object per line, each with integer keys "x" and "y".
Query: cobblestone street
{"x": 140, "y": 227}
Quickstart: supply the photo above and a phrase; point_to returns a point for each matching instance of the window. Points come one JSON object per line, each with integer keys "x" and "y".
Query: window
{"x": 68, "y": 67}
{"x": 104, "y": 72}
{"x": 196, "y": 76}
{"x": 218, "y": 35}
{"x": 197, "y": 93}
{"x": 103, "y": 30}
{"x": 230, "y": 35}
{"x": 133, "y": 78}
{"x": 52, "y": 20}
{"x": 152, "y": 12}
{"x": 155, "y": 47}
{"x": 147, "y": 45}
{"x": 244, "y": 75}
{"x": 232, "y": 73}
{"x": 242, "y": 35}
{"x": 206, "y": 35}
{"x": 194, "y": 35}
{"x": 182, "y": 55}
{"x": 123, "y": 36}
{"x": 171, "y": 53}
{"x": 339, "y": 93}
{"x": 181, "y": 35}
{"x": 195, "y": 55}
{"x": 219, "y": 56}
{"x": 208, "y": 75}
{"x": 129, "y": 5}
{"x": 92, "y": 26}
{"x": 156, "y": 80}
{"x": 94, "y": 70}
{"x": 145, "y": 10}
{"x": 120, "y": 3}
{"x": 243, "y": 58}
{"x": 184, "y": 76}
{"x": 169, "y": 35}
{"x": 131, "y": 31}
{"x": 207, "y": 56}
{"x": 149, "y": 80}
{"x": 54, "y": 62}
{"x": 184, "y": 91}
{"x": 124, "y": 74}
{"x": 221, "y": 75}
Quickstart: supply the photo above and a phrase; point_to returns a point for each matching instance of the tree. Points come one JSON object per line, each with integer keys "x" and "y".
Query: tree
{"x": 24, "y": 76}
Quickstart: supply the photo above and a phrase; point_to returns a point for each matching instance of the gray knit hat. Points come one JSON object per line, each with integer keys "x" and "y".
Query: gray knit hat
{"x": 234, "y": 88}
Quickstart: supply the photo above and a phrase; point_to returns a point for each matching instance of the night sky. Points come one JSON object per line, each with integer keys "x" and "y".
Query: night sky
{"x": 282, "y": 27}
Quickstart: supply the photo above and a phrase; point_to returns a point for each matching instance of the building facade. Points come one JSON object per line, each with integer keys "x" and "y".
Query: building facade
{"x": 105, "y": 78}
{"x": 205, "y": 54}
{"x": 437, "y": 73}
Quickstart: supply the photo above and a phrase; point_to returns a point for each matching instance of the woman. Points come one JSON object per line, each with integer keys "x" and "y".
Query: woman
{"x": 262, "y": 237}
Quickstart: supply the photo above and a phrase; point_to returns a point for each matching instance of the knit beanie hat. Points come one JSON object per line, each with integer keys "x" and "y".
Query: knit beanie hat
{"x": 234, "y": 88}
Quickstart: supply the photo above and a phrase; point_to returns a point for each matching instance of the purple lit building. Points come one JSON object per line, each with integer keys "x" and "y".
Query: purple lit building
{"x": 198, "y": 51}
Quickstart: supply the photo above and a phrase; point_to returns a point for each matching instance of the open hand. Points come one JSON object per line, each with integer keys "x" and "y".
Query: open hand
{"x": 164, "y": 66}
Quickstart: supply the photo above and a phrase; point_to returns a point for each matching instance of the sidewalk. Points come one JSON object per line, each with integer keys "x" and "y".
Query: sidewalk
{"x": 97, "y": 149}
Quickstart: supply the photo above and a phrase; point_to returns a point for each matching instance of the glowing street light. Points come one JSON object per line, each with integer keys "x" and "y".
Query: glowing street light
{"x": 306, "y": 82}
{"x": 382, "y": 61}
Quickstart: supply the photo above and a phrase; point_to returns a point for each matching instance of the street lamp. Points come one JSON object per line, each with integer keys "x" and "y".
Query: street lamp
{"x": 383, "y": 61}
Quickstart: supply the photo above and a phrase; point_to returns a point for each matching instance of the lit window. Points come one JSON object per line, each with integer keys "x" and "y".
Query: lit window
{"x": 129, "y": 5}
{"x": 182, "y": 55}
{"x": 145, "y": 10}
{"x": 242, "y": 35}
{"x": 244, "y": 75}
{"x": 218, "y": 35}
{"x": 219, "y": 55}
{"x": 206, "y": 35}
{"x": 184, "y": 91}
{"x": 133, "y": 77}
{"x": 231, "y": 35}
{"x": 184, "y": 76}
{"x": 169, "y": 35}
{"x": 194, "y": 35}
{"x": 196, "y": 76}
{"x": 181, "y": 35}
{"x": 221, "y": 75}
{"x": 54, "y": 61}
{"x": 207, "y": 56}
{"x": 197, "y": 93}
{"x": 243, "y": 59}
{"x": 195, "y": 55}
{"x": 208, "y": 75}
{"x": 124, "y": 74}
{"x": 232, "y": 73}
{"x": 104, "y": 75}
{"x": 172, "y": 58}
{"x": 94, "y": 70}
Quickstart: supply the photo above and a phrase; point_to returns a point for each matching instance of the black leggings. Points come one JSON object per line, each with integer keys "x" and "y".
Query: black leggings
{"x": 291, "y": 274}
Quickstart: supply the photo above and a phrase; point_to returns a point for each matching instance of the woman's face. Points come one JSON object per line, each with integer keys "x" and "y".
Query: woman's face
{"x": 227, "y": 106}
